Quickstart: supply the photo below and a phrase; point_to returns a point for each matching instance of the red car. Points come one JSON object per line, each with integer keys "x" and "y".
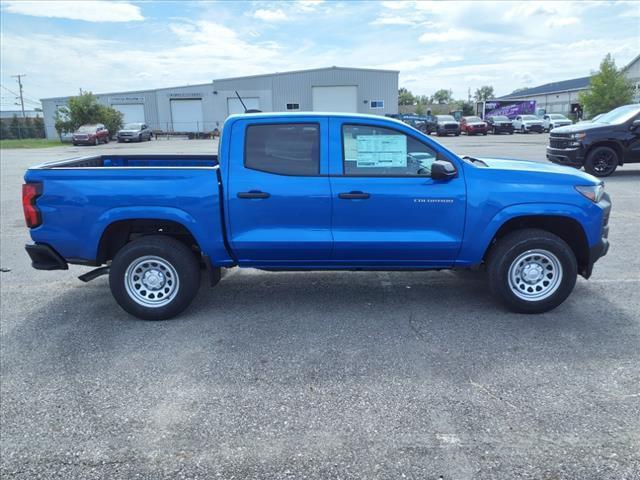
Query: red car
{"x": 91, "y": 135}
{"x": 473, "y": 126}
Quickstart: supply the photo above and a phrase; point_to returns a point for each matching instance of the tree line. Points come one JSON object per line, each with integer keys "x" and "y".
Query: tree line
{"x": 444, "y": 97}
{"x": 19, "y": 128}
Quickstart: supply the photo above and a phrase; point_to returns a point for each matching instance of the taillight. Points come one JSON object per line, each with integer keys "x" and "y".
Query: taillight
{"x": 30, "y": 192}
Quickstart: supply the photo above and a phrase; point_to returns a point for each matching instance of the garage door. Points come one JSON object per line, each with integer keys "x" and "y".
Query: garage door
{"x": 132, "y": 113}
{"x": 186, "y": 115}
{"x": 335, "y": 99}
{"x": 234, "y": 105}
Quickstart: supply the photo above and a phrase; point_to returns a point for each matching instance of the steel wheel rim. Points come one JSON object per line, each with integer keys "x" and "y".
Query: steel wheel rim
{"x": 603, "y": 162}
{"x": 535, "y": 275}
{"x": 151, "y": 281}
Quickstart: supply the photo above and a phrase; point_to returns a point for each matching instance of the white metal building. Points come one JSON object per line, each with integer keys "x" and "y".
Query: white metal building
{"x": 202, "y": 108}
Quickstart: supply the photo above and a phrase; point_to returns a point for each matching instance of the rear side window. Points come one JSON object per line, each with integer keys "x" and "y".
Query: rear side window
{"x": 285, "y": 149}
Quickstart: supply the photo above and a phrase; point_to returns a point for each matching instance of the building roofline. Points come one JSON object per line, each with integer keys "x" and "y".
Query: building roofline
{"x": 132, "y": 92}
{"x": 273, "y": 74}
{"x": 528, "y": 92}
{"x": 628, "y": 65}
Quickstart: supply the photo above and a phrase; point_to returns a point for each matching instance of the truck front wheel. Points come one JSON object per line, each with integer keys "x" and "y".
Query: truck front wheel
{"x": 601, "y": 161}
{"x": 154, "y": 277}
{"x": 532, "y": 270}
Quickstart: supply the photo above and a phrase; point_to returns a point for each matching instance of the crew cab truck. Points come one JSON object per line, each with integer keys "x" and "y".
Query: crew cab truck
{"x": 305, "y": 191}
{"x": 600, "y": 146}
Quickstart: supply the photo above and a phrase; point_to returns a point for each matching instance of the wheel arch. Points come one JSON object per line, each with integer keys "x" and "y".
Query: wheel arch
{"x": 565, "y": 227}
{"x": 608, "y": 143}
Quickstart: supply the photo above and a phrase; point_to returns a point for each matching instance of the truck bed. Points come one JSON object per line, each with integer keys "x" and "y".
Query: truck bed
{"x": 82, "y": 197}
{"x": 135, "y": 161}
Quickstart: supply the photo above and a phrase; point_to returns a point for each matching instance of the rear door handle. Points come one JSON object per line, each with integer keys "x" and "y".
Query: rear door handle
{"x": 356, "y": 195}
{"x": 253, "y": 194}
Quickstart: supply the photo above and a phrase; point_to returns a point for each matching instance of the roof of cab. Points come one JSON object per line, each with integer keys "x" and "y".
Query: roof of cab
{"x": 356, "y": 116}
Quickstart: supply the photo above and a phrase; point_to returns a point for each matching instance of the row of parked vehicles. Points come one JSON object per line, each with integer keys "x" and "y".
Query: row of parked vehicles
{"x": 96, "y": 134}
{"x": 443, "y": 125}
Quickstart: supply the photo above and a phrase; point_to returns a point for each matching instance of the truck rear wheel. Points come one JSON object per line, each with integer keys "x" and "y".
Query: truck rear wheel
{"x": 532, "y": 270}
{"x": 154, "y": 277}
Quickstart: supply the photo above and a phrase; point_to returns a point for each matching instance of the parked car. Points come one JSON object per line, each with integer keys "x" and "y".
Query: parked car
{"x": 601, "y": 145}
{"x": 528, "y": 123}
{"x": 136, "y": 132}
{"x": 446, "y": 125}
{"x": 90, "y": 135}
{"x": 553, "y": 120}
{"x": 278, "y": 197}
{"x": 473, "y": 125}
{"x": 499, "y": 124}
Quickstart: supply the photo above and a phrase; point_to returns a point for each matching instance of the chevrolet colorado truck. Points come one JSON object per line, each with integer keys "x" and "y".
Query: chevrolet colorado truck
{"x": 305, "y": 191}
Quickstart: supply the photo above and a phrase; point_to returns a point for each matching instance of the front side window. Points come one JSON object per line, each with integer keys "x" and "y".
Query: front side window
{"x": 377, "y": 151}
{"x": 285, "y": 149}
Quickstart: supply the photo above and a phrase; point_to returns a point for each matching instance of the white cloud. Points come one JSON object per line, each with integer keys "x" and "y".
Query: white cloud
{"x": 88, "y": 11}
{"x": 394, "y": 20}
{"x": 450, "y": 35}
{"x": 309, "y": 5}
{"x": 270, "y": 15}
{"x": 561, "y": 21}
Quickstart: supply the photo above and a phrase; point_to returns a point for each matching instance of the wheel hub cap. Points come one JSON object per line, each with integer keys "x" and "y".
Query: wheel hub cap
{"x": 535, "y": 275}
{"x": 151, "y": 281}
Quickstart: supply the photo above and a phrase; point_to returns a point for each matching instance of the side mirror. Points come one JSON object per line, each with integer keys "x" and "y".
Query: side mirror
{"x": 635, "y": 124}
{"x": 443, "y": 170}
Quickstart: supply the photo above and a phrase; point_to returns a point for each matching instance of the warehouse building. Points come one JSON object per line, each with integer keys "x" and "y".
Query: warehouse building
{"x": 562, "y": 97}
{"x": 203, "y": 108}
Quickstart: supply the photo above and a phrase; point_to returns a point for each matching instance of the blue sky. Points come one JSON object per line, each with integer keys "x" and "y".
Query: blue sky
{"x": 119, "y": 46}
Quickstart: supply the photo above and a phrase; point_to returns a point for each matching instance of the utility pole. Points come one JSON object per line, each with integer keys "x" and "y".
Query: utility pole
{"x": 19, "y": 77}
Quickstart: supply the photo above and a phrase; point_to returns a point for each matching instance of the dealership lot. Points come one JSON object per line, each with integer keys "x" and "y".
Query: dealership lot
{"x": 321, "y": 375}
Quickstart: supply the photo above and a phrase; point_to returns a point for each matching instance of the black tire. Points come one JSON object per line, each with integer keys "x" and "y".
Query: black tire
{"x": 559, "y": 272}
{"x": 173, "y": 253}
{"x": 522, "y": 129}
{"x": 601, "y": 161}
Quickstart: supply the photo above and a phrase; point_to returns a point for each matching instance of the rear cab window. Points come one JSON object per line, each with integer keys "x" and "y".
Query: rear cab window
{"x": 283, "y": 149}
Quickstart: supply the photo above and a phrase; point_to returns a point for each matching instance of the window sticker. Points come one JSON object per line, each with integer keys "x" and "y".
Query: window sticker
{"x": 380, "y": 151}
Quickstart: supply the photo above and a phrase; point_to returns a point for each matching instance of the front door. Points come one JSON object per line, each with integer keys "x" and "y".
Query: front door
{"x": 387, "y": 210}
{"x": 279, "y": 203}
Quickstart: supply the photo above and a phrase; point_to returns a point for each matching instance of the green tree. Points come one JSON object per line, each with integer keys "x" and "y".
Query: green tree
{"x": 484, "y": 93}
{"x": 16, "y": 128}
{"x": 419, "y": 109}
{"x": 5, "y": 131}
{"x": 442, "y": 96}
{"x": 405, "y": 97}
{"x": 38, "y": 127}
{"x": 608, "y": 89}
{"x": 28, "y": 130}
{"x": 85, "y": 109}
{"x": 112, "y": 119}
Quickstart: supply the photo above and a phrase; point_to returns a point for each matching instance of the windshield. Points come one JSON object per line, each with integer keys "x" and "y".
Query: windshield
{"x": 133, "y": 126}
{"x": 446, "y": 118}
{"x": 558, "y": 117}
{"x": 619, "y": 115}
{"x": 473, "y": 119}
{"x": 500, "y": 118}
{"x": 529, "y": 117}
{"x": 87, "y": 129}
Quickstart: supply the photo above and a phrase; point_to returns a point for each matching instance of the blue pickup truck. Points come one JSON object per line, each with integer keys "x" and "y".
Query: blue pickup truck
{"x": 311, "y": 191}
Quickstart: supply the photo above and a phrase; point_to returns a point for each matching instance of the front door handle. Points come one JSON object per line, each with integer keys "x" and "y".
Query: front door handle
{"x": 253, "y": 194}
{"x": 355, "y": 195}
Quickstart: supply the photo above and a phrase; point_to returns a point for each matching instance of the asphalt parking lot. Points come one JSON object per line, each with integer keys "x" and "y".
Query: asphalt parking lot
{"x": 321, "y": 375}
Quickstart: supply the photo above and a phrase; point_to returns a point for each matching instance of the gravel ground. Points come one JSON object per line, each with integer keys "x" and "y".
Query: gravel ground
{"x": 321, "y": 375}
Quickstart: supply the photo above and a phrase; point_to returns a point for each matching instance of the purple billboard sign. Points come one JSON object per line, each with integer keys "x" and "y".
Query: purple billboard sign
{"x": 509, "y": 109}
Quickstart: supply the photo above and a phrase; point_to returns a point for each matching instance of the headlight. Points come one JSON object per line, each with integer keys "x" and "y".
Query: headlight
{"x": 592, "y": 192}
{"x": 578, "y": 136}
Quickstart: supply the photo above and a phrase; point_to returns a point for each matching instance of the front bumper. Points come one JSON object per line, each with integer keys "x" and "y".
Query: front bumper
{"x": 502, "y": 128}
{"x": 84, "y": 141}
{"x": 129, "y": 138}
{"x": 566, "y": 156}
{"x": 43, "y": 257}
{"x": 534, "y": 128}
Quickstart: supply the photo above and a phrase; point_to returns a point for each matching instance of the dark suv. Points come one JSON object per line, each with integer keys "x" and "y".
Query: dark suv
{"x": 601, "y": 145}
{"x": 446, "y": 125}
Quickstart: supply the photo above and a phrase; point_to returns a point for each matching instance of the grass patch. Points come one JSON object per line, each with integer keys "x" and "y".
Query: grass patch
{"x": 31, "y": 143}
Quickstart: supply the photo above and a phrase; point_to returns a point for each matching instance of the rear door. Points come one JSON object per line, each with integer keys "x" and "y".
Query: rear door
{"x": 387, "y": 210}
{"x": 279, "y": 202}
